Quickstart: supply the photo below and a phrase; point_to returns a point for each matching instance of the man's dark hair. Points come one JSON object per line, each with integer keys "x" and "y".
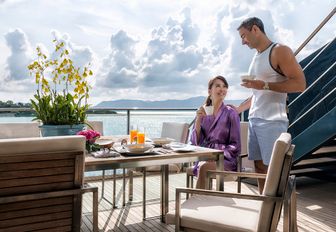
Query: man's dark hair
{"x": 248, "y": 24}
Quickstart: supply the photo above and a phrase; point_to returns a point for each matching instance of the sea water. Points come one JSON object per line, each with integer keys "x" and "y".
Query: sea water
{"x": 116, "y": 124}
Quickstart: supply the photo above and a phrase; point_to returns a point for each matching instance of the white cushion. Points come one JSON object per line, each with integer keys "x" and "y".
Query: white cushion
{"x": 175, "y": 130}
{"x": 19, "y": 130}
{"x": 190, "y": 171}
{"x": 243, "y": 137}
{"x": 209, "y": 213}
{"x": 97, "y": 126}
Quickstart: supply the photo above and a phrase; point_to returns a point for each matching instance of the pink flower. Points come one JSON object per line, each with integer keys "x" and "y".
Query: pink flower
{"x": 90, "y": 135}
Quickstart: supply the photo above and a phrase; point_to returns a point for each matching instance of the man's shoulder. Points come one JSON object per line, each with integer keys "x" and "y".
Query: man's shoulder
{"x": 281, "y": 48}
{"x": 281, "y": 52}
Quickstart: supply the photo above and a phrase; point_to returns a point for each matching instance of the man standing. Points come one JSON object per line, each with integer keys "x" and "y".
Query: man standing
{"x": 276, "y": 73}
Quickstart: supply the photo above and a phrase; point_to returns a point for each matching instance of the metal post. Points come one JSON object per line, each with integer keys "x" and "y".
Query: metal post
{"x": 165, "y": 192}
{"x": 128, "y": 121}
{"x": 130, "y": 185}
{"x": 144, "y": 194}
{"x": 114, "y": 188}
{"x": 103, "y": 184}
{"x": 124, "y": 187}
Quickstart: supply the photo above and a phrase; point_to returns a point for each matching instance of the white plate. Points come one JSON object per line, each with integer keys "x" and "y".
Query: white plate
{"x": 134, "y": 148}
{"x": 247, "y": 77}
{"x": 180, "y": 147}
{"x": 161, "y": 141}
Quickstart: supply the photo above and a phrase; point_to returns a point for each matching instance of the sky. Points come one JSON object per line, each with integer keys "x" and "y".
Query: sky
{"x": 150, "y": 49}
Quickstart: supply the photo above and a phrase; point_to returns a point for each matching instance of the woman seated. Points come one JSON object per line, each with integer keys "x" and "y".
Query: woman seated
{"x": 219, "y": 129}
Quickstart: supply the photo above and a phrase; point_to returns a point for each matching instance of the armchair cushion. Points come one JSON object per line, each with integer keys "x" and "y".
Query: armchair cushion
{"x": 19, "y": 130}
{"x": 207, "y": 213}
{"x": 36, "y": 145}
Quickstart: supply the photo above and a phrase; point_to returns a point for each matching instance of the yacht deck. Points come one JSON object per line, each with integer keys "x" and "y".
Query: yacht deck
{"x": 316, "y": 205}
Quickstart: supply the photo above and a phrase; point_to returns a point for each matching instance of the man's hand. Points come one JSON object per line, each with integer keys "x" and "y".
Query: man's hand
{"x": 253, "y": 84}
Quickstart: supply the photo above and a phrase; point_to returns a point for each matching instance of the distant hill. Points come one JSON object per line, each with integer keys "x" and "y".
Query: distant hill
{"x": 190, "y": 103}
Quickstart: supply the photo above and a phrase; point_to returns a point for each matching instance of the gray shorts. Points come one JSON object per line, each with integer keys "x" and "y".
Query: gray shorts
{"x": 261, "y": 137}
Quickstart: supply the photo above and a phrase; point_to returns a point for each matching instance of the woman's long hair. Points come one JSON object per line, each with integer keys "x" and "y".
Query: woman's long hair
{"x": 208, "y": 101}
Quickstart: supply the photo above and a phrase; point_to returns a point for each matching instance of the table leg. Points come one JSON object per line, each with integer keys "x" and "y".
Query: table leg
{"x": 164, "y": 191}
{"x": 103, "y": 184}
{"x": 114, "y": 189}
{"x": 124, "y": 188}
{"x": 144, "y": 194}
{"x": 220, "y": 179}
{"x": 130, "y": 185}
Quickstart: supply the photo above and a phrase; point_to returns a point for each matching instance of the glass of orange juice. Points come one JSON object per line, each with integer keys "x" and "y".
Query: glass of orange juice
{"x": 133, "y": 133}
{"x": 141, "y": 135}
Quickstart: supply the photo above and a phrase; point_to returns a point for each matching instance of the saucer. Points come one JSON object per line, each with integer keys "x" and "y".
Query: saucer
{"x": 161, "y": 141}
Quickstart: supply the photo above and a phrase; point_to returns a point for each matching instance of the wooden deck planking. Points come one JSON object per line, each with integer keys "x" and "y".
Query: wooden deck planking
{"x": 316, "y": 205}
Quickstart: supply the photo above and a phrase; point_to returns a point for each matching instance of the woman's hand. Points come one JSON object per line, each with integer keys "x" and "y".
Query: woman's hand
{"x": 200, "y": 113}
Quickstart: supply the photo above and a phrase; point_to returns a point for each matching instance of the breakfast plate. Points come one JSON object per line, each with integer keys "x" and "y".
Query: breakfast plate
{"x": 161, "y": 141}
{"x": 247, "y": 77}
{"x": 134, "y": 149}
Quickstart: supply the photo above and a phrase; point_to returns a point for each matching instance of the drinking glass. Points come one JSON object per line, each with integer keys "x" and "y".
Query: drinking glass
{"x": 133, "y": 133}
{"x": 141, "y": 135}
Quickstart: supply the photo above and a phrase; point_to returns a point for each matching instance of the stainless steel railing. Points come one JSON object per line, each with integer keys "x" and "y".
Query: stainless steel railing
{"x": 318, "y": 28}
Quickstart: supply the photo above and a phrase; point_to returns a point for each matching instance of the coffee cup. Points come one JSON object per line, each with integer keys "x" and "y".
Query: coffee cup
{"x": 247, "y": 77}
{"x": 208, "y": 109}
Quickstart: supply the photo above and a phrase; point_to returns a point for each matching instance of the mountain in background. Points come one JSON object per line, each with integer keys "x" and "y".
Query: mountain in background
{"x": 190, "y": 103}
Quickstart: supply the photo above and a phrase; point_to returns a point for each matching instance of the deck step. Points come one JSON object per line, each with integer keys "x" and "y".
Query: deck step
{"x": 315, "y": 171}
{"x": 315, "y": 163}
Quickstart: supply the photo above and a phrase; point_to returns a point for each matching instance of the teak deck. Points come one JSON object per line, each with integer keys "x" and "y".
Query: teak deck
{"x": 316, "y": 205}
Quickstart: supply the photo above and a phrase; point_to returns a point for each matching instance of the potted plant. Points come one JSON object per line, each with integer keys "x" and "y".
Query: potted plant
{"x": 61, "y": 98}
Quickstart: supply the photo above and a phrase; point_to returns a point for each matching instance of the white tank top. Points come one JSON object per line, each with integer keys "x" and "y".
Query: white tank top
{"x": 267, "y": 104}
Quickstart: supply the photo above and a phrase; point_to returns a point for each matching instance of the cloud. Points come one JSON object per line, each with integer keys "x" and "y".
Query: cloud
{"x": 238, "y": 56}
{"x": 169, "y": 63}
{"x": 190, "y": 31}
{"x": 152, "y": 49}
{"x": 81, "y": 55}
{"x": 20, "y": 55}
{"x": 173, "y": 62}
{"x": 119, "y": 69}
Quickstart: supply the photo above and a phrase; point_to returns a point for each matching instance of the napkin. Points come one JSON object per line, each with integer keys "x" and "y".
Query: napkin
{"x": 104, "y": 154}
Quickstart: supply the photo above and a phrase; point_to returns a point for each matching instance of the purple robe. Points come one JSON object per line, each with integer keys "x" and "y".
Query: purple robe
{"x": 221, "y": 132}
